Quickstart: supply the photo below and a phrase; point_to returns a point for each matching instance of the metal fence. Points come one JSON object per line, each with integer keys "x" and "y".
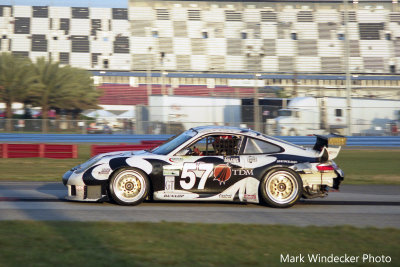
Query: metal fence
{"x": 272, "y": 120}
{"x": 355, "y": 141}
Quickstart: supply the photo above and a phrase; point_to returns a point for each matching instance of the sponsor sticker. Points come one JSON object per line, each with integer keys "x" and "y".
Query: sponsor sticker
{"x": 232, "y": 159}
{"x": 169, "y": 183}
{"x": 225, "y": 196}
{"x": 167, "y": 172}
{"x": 243, "y": 172}
{"x": 104, "y": 171}
{"x": 222, "y": 173}
{"x": 250, "y": 196}
{"x": 173, "y": 195}
{"x": 286, "y": 161}
{"x": 80, "y": 187}
{"x": 251, "y": 159}
{"x": 176, "y": 159}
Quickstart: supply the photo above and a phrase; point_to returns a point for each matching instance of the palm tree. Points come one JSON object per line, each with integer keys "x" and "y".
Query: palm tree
{"x": 61, "y": 87}
{"x": 15, "y": 80}
{"x": 82, "y": 92}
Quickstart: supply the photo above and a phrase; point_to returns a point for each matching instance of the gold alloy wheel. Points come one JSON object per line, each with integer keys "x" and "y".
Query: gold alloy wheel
{"x": 282, "y": 187}
{"x": 129, "y": 186}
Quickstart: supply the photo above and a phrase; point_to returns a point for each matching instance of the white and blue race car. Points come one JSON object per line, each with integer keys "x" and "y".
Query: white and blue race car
{"x": 211, "y": 163}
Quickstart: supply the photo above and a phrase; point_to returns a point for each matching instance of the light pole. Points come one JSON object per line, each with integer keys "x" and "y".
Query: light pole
{"x": 256, "y": 108}
{"x": 347, "y": 66}
{"x": 163, "y": 73}
{"x": 149, "y": 63}
{"x": 163, "y": 89}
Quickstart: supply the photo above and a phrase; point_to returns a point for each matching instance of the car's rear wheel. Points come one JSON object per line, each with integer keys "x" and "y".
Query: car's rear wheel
{"x": 281, "y": 188}
{"x": 129, "y": 186}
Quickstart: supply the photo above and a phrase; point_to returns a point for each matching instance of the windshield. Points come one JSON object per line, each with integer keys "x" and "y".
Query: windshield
{"x": 166, "y": 148}
{"x": 284, "y": 112}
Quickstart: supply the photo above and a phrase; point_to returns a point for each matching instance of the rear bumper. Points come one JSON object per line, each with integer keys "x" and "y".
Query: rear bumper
{"x": 330, "y": 178}
{"x": 338, "y": 179}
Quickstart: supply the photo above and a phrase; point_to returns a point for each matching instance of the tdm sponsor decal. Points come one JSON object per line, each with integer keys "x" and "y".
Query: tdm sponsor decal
{"x": 225, "y": 196}
{"x": 222, "y": 173}
{"x": 242, "y": 172}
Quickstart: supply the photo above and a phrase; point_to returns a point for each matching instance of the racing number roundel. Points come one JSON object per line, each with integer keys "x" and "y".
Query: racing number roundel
{"x": 222, "y": 173}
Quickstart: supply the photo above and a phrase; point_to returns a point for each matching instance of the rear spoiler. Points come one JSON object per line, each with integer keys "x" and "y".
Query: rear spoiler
{"x": 329, "y": 146}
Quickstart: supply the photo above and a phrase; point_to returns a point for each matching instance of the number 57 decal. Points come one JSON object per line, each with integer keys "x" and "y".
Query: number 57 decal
{"x": 190, "y": 170}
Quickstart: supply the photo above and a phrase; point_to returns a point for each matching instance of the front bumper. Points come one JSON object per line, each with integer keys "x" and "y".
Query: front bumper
{"x": 78, "y": 191}
{"x": 93, "y": 193}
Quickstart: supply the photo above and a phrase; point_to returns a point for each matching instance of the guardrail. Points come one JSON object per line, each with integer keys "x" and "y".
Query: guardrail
{"x": 144, "y": 144}
{"x": 79, "y": 138}
{"x": 373, "y": 141}
{"x": 38, "y": 151}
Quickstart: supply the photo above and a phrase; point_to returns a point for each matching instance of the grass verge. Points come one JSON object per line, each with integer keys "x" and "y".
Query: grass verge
{"x": 363, "y": 166}
{"x": 370, "y": 166}
{"x": 180, "y": 244}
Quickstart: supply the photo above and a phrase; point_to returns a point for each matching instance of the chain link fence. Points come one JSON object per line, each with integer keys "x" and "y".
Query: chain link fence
{"x": 272, "y": 119}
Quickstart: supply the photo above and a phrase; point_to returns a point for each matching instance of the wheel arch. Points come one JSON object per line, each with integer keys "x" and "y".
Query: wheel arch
{"x": 117, "y": 194}
{"x": 151, "y": 190}
{"x": 269, "y": 169}
{"x": 272, "y": 170}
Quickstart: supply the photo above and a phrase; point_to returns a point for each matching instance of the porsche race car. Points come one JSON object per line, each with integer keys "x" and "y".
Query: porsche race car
{"x": 211, "y": 163}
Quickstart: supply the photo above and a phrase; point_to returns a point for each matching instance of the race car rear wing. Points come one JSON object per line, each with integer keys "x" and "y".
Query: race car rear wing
{"x": 329, "y": 146}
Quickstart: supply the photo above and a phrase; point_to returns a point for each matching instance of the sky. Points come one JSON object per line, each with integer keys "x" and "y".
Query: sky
{"x": 68, "y": 3}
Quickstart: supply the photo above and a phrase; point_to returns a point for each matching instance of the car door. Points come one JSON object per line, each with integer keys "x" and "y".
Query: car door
{"x": 207, "y": 166}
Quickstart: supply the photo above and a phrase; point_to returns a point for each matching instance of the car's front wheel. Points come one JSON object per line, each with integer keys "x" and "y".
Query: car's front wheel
{"x": 129, "y": 186}
{"x": 281, "y": 188}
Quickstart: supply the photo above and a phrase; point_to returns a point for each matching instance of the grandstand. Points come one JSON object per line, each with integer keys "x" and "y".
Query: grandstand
{"x": 203, "y": 47}
{"x": 265, "y": 36}
{"x": 124, "y": 94}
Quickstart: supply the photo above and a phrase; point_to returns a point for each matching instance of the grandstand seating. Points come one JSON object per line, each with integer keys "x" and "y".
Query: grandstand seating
{"x": 123, "y": 94}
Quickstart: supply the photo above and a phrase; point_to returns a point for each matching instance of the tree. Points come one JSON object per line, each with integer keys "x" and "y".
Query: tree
{"x": 62, "y": 88}
{"x": 15, "y": 80}
{"x": 83, "y": 94}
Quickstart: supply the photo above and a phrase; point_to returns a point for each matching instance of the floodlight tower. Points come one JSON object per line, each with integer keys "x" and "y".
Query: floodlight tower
{"x": 347, "y": 66}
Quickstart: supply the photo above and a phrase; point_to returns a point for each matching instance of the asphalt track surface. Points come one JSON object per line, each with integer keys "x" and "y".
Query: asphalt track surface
{"x": 356, "y": 205}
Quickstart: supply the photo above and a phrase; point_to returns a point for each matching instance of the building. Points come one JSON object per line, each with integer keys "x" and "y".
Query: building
{"x": 297, "y": 46}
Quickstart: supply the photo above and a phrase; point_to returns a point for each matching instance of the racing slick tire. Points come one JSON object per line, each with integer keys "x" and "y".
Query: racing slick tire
{"x": 129, "y": 186}
{"x": 281, "y": 188}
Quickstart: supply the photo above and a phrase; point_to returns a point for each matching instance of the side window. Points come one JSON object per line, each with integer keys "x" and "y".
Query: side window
{"x": 255, "y": 146}
{"x": 214, "y": 145}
